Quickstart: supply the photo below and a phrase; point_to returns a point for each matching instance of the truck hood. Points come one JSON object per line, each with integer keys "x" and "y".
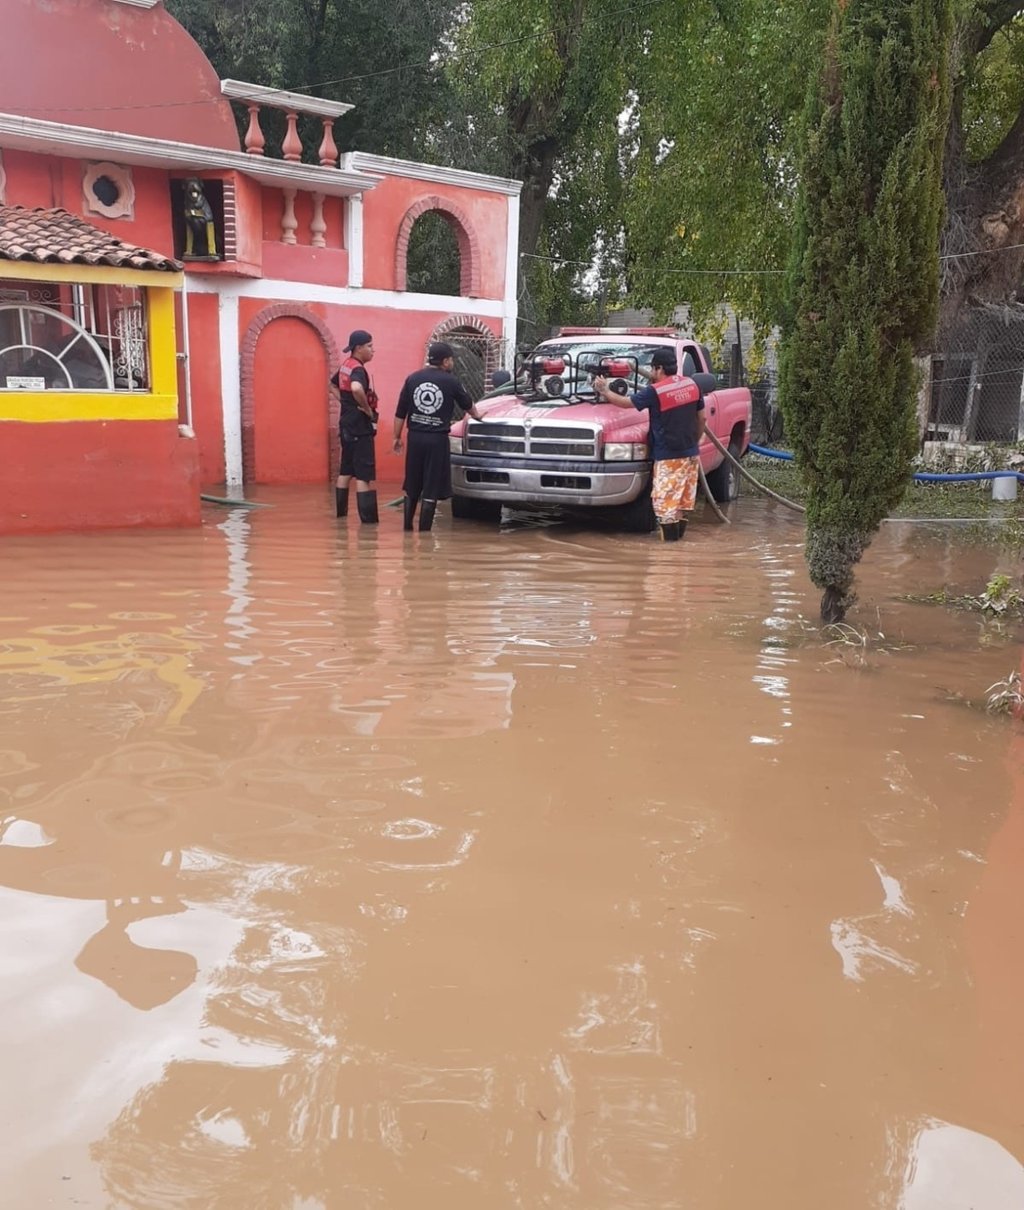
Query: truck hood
{"x": 616, "y": 424}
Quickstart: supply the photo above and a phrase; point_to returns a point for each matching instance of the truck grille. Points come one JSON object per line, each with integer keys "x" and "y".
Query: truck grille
{"x": 532, "y": 440}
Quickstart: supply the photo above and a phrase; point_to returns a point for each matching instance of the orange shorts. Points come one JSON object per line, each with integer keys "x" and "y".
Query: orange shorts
{"x": 675, "y": 488}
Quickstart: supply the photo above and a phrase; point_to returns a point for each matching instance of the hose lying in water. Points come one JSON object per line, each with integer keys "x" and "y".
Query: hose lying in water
{"x": 920, "y": 477}
{"x": 227, "y": 502}
{"x": 797, "y": 508}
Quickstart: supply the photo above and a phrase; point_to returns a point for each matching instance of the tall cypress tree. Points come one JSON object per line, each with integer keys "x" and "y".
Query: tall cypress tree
{"x": 864, "y": 281}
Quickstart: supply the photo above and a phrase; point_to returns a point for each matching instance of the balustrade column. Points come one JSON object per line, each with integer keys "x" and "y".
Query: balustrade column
{"x": 328, "y": 148}
{"x": 318, "y": 226}
{"x": 291, "y": 148}
{"x": 254, "y": 140}
{"x": 289, "y": 223}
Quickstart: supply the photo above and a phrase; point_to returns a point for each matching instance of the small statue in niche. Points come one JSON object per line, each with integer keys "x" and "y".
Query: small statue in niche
{"x": 199, "y": 223}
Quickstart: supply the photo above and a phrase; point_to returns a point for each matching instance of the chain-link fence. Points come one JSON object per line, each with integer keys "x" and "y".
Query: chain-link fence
{"x": 975, "y": 389}
{"x": 972, "y": 394}
{"x": 766, "y": 427}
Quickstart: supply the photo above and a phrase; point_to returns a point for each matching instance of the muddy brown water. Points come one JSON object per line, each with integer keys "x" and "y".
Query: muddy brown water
{"x": 542, "y": 868}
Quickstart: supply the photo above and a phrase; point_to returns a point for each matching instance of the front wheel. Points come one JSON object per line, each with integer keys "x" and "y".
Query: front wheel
{"x": 467, "y": 508}
{"x": 724, "y": 480}
{"x": 637, "y": 517}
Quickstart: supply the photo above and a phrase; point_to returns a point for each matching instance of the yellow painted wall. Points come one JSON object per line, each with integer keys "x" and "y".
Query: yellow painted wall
{"x": 161, "y": 403}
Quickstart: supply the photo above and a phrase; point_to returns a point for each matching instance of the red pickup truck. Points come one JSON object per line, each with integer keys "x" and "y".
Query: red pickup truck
{"x": 546, "y": 439}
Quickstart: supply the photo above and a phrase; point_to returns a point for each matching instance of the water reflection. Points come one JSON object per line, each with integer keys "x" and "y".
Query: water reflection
{"x": 382, "y": 871}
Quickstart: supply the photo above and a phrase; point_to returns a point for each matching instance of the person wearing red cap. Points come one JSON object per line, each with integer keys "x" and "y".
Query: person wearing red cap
{"x": 358, "y": 426}
{"x": 428, "y": 401}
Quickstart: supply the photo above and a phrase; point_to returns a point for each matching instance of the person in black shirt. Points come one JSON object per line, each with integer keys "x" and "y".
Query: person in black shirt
{"x": 427, "y": 402}
{"x": 358, "y": 426}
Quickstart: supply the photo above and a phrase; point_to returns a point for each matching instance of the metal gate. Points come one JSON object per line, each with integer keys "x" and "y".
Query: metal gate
{"x": 477, "y": 356}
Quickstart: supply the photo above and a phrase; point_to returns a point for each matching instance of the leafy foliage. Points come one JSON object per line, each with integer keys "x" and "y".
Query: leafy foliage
{"x": 344, "y": 51}
{"x": 658, "y": 140}
{"x": 994, "y": 91}
{"x": 433, "y": 259}
{"x": 865, "y": 272}
{"x": 713, "y": 134}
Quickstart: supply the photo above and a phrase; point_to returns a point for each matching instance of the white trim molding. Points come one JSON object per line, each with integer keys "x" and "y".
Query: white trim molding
{"x": 512, "y": 274}
{"x": 361, "y": 161}
{"x": 85, "y": 143}
{"x": 230, "y": 384}
{"x": 278, "y": 98}
{"x": 354, "y": 239}
{"x": 343, "y": 296}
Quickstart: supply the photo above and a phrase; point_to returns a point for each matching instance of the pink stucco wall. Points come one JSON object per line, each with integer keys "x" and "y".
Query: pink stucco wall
{"x": 112, "y": 67}
{"x": 386, "y": 205}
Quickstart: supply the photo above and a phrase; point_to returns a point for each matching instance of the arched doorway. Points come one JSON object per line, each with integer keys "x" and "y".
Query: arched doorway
{"x": 477, "y": 351}
{"x": 288, "y": 413}
{"x": 290, "y": 404}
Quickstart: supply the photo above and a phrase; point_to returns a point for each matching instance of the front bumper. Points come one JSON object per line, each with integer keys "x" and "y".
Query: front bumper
{"x": 536, "y": 481}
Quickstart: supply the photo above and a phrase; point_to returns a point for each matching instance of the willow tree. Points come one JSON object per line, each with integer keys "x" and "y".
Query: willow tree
{"x": 865, "y": 272}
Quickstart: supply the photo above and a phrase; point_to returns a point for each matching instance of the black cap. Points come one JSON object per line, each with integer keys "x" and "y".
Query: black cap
{"x": 439, "y": 351}
{"x": 358, "y": 337}
{"x": 665, "y": 359}
{"x": 500, "y": 377}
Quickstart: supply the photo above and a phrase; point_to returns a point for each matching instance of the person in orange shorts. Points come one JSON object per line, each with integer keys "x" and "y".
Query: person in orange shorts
{"x": 676, "y": 407}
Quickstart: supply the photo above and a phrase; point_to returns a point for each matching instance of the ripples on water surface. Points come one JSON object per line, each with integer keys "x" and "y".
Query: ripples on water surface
{"x": 477, "y": 870}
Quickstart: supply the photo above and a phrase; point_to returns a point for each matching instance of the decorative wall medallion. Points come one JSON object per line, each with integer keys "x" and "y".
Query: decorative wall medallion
{"x": 108, "y": 190}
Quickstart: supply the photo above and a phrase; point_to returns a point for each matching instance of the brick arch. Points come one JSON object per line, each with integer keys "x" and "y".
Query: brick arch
{"x": 469, "y": 244}
{"x": 248, "y": 377}
{"x": 470, "y": 324}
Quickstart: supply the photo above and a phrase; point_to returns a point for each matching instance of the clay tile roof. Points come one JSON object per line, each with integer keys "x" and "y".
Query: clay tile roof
{"x": 57, "y": 237}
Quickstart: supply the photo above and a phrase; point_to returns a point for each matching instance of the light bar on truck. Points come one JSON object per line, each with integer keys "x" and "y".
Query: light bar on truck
{"x": 671, "y": 332}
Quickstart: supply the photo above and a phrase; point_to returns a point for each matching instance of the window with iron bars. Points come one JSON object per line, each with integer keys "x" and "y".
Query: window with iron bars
{"x": 73, "y": 337}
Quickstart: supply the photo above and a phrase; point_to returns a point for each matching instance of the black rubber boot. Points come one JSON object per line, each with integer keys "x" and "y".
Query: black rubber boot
{"x": 341, "y": 501}
{"x": 366, "y": 502}
{"x": 672, "y": 531}
{"x": 409, "y": 511}
{"x": 427, "y": 510}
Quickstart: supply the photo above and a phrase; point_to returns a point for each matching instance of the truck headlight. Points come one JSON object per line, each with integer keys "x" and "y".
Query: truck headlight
{"x": 625, "y": 451}
{"x": 454, "y": 444}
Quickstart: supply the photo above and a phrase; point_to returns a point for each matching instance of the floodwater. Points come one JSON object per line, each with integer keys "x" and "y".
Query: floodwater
{"x": 545, "y": 868}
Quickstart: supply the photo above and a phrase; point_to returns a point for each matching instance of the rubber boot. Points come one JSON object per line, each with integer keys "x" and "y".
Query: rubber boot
{"x": 341, "y": 501}
{"x": 366, "y": 502}
{"x": 427, "y": 510}
{"x": 409, "y": 511}
{"x": 671, "y": 531}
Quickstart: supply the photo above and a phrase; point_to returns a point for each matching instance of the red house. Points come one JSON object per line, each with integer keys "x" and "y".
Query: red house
{"x": 142, "y": 356}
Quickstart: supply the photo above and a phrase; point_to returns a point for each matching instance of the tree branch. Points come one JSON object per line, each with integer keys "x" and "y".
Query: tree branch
{"x": 992, "y": 16}
{"x": 1005, "y": 166}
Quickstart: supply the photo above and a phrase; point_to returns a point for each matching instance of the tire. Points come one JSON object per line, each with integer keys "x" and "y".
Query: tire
{"x": 637, "y": 517}
{"x": 724, "y": 480}
{"x": 466, "y": 508}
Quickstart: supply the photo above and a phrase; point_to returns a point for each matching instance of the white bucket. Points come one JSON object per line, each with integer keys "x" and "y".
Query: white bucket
{"x": 1005, "y": 488}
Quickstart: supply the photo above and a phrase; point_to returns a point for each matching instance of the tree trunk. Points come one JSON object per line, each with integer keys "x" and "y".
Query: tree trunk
{"x": 984, "y": 202}
{"x": 538, "y": 174}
